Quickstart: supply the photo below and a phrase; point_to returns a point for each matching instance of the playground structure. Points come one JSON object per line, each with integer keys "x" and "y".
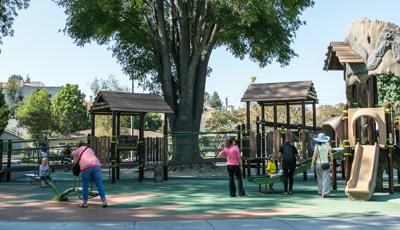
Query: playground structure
{"x": 365, "y": 130}
{"x": 150, "y": 152}
{"x": 269, "y": 135}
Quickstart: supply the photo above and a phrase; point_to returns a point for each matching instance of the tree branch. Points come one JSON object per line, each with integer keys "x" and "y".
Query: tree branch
{"x": 166, "y": 78}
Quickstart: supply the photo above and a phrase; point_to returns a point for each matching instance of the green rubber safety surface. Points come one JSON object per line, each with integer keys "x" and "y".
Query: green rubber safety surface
{"x": 185, "y": 198}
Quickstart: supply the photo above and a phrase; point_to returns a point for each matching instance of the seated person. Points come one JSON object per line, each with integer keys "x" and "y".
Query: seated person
{"x": 43, "y": 171}
{"x": 271, "y": 170}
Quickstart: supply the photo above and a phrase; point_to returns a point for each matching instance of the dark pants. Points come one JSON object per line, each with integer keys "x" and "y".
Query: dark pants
{"x": 288, "y": 172}
{"x": 235, "y": 170}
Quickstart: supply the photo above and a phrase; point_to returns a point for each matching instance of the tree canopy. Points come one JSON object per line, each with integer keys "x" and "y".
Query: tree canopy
{"x": 14, "y": 92}
{"x": 8, "y": 12}
{"x": 68, "y": 111}
{"x": 3, "y": 112}
{"x": 166, "y": 45}
{"x": 215, "y": 102}
{"x": 34, "y": 114}
{"x": 389, "y": 91}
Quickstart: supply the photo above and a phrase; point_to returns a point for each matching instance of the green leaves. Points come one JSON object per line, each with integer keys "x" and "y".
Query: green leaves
{"x": 69, "y": 111}
{"x": 3, "y": 112}
{"x": 34, "y": 113}
{"x": 8, "y": 11}
{"x": 389, "y": 92}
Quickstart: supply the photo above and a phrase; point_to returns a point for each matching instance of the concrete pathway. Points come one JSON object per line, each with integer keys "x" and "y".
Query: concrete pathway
{"x": 364, "y": 223}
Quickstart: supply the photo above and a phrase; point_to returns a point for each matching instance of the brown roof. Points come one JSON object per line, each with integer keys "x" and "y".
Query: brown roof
{"x": 281, "y": 92}
{"x": 128, "y": 103}
{"x": 338, "y": 54}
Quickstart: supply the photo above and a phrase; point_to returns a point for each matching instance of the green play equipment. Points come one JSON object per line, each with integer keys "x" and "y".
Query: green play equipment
{"x": 301, "y": 167}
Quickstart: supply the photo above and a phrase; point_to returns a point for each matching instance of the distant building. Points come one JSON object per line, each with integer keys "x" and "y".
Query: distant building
{"x": 14, "y": 133}
{"x": 27, "y": 88}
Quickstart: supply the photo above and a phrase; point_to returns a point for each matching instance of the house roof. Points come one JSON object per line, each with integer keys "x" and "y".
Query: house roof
{"x": 13, "y": 129}
{"x": 281, "y": 93}
{"x": 128, "y": 103}
{"x": 338, "y": 54}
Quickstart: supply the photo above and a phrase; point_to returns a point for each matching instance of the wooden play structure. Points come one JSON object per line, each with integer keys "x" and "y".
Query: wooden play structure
{"x": 270, "y": 134}
{"x": 149, "y": 152}
{"x": 370, "y": 49}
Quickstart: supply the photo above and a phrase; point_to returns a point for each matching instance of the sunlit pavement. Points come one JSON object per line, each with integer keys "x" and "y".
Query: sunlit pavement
{"x": 364, "y": 223}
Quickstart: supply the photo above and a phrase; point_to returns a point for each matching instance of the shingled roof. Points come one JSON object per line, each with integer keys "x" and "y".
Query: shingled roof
{"x": 338, "y": 54}
{"x": 281, "y": 93}
{"x": 128, "y": 103}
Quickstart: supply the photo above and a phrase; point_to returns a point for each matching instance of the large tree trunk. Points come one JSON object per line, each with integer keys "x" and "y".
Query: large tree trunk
{"x": 182, "y": 50}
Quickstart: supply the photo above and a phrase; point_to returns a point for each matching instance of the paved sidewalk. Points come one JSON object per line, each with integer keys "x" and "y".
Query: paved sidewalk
{"x": 364, "y": 223}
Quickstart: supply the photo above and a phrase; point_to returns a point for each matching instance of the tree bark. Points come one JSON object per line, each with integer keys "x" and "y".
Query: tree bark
{"x": 182, "y": 49}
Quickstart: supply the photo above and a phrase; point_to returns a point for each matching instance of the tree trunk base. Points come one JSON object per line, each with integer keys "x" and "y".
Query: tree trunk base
{"x": 197, "y": 170}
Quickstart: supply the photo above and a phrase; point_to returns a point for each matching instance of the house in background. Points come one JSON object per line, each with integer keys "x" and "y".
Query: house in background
{"x": 17, "y": 135}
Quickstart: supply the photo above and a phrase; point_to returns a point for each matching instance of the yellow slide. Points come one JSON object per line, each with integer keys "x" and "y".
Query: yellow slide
{"x": 361, "y": 184}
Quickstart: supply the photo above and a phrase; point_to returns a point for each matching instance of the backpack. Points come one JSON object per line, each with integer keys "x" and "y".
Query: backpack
{"x": 288, "y": 154}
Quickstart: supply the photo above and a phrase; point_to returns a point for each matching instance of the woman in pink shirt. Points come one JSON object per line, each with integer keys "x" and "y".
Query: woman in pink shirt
{"x": 232, "y": 154}
{"x": 90, "y": 170}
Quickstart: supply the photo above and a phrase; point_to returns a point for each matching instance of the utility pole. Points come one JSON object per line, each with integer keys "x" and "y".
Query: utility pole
{"x": 132, "y": 132}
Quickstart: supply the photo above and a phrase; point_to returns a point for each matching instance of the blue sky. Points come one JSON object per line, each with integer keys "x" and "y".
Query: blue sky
{"x": 39, "y": 50}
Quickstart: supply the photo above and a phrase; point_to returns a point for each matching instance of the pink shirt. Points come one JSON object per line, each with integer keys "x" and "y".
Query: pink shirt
{"x": 232, "y": 154}
{"x": 88, "y": 158}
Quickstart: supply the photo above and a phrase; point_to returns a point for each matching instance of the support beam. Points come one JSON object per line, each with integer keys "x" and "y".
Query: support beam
{"x": 93, "y": 131}
{"x": 314, "y": 116}
{"x": 113, "y": 148}
{"x": 346, "y": 144}
{"x": 248, "y": 117}
{"x": 141, "y": 147}
{"x": 263, "y": 142}
{"x": 9, "y": 152}
{"x": 288, "y": 115}
{"x": 118, "y": 133}
{"x": 275, "y": 109}
{"x": 165, "y": 147}
{"x": 389, "y": 146}
{"x": 303, "y": 139}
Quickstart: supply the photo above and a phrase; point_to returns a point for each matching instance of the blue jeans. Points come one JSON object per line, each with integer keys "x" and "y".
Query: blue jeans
{"x": 92, "y": 173}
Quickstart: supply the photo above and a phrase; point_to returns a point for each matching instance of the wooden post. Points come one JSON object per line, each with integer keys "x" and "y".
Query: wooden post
{"x": 263, "y": 144}
{"x": 314, "y": 116}
{"x": 93, "y": 130}
{"x": 244, "y": 147}
{"x": 165, "y": 147}
{"x": 389, "y": 146}
{"x": 275, "y": 116}
{"x": 303, "y": 130}
{"x": 370, "y": 102}
{"x": 248, "y": 129}
{"x": 288, "y": 115}
{"x": 141, "y": 147}
{"x": 346, "y": 144}
{"x": 113, "y": 148}
{"x": 9, "y": 152}
{"x": 334, "y": 176}
{"x": 117, "y": 136}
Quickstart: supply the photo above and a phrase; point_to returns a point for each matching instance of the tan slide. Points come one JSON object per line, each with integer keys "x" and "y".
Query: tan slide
{"x": 361, "y": 184}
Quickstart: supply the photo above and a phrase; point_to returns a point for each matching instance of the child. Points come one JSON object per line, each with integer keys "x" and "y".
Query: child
{"x": 67, "y": 158}
{"x": 43, "y": 169}
{"x": 271, "y": 169}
